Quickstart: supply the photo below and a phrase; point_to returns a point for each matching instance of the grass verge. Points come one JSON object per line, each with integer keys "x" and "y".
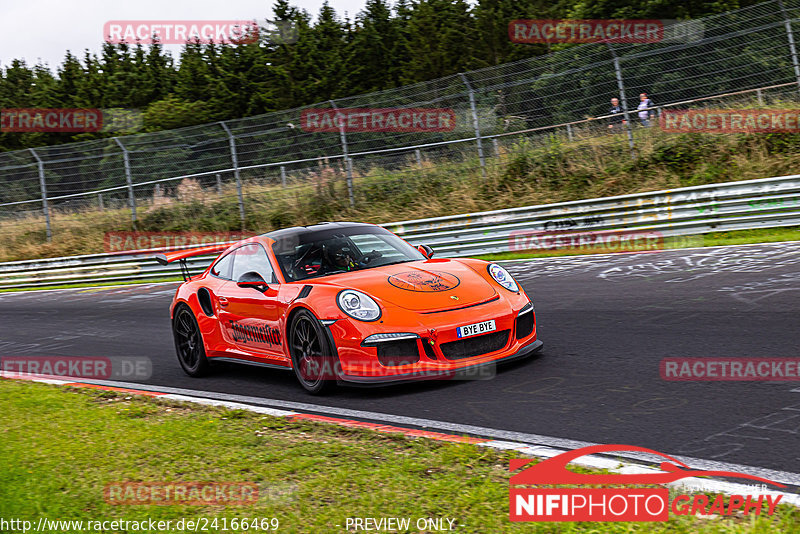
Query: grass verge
{"x": 94, "y": 284}
{"x": 713, "y": 239}
{"x": 59, "y": 447}
{"x": 523, "y": 172}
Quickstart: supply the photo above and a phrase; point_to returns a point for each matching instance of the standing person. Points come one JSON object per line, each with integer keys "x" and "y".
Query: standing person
{"x": 617, "y": 121}
{"x": 644, "y": 113}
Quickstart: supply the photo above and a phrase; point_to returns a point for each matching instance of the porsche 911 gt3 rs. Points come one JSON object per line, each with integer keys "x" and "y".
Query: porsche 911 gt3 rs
{"x": 348, "y": 302}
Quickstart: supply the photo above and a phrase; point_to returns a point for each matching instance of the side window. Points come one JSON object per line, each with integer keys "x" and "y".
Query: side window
{"x": 252, "y": 257}
{"x": 222, "y": 268}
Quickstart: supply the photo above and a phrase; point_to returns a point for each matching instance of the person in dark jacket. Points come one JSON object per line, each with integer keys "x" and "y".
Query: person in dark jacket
{"x": 617, "y": 120}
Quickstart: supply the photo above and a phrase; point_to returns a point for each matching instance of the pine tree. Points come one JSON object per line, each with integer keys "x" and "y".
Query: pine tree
{"x": 370, "y": 57}
{"x": 323, "y": 65}
{"x": 68, "y": 90}
{"x": 439, "y": 42}
{"x": 279, "y": 91}
{"x": 17, "y": 86}
{"x": 193, "y": 76}
{"x": 491, "y": 21}
{"x": 93, "y": 82}
{"x": 159, "y": 74}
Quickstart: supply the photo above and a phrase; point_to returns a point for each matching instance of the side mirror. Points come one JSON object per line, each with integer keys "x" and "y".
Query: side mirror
{"x": 426, "y": 251}
{"x": 254, "y": 280}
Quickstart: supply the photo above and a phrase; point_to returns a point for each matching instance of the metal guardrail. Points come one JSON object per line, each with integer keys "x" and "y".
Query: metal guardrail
{"x": 764, "y": 203}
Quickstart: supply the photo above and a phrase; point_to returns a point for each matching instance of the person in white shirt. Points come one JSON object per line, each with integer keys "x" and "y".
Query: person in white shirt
{"x": 644, "y": 113}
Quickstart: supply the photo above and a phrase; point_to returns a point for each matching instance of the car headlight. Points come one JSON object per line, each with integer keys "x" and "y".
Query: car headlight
{"x": 502, "y": 277}
{"x": 358, "y": 305}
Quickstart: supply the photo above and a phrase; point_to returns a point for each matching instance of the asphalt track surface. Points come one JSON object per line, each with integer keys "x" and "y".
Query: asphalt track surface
{"x": 607, "y": 322}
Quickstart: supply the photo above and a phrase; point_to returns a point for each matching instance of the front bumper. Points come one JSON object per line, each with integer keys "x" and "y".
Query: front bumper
{"x": 437, "y": 352}
{"x": 465, "y": 371}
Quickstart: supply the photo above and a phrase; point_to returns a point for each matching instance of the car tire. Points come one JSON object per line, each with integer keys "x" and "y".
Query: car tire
{"x": 189, "y": 342}
{"x": 312, "y": 356}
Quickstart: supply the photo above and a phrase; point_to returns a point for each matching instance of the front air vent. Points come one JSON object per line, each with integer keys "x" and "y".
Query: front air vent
{"x": 304, "y": 292}
{"x": 524, "y": 325}
{"x": 400, "y": 352}
{"x": 475, "y": 346}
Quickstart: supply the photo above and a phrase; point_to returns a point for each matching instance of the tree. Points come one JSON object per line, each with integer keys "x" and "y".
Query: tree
{"x": 322, "y": 63}
{"x": 69, "y": 89}
{"x": 174, "y": 112}
{"x": 159, "y": 74}
{"x": 371, "y": 54}
{"x": 438, "y": 41}
{"x": 192, "y": 81}
{"x": 491, "y": 20}
{"x": 647, "y": 9}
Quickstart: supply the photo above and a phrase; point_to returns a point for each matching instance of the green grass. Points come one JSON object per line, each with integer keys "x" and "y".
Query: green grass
{"x": 760, "y": 235}
{"x": 59, "y": 447}
{"x": 95, "y": 284}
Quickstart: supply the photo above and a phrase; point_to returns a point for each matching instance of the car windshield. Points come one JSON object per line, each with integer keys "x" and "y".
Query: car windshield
{"x": 305, "y": 255}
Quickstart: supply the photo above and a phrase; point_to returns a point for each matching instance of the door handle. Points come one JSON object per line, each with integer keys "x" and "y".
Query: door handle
{"x": 223, "y": 301}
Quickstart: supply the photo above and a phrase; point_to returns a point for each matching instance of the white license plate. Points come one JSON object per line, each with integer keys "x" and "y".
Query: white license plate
{"x": 475, "y": 329}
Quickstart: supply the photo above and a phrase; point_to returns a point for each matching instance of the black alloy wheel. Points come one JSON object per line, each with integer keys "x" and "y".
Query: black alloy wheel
{"x": 189, "y": 342}
{"x": 311, "y": 354}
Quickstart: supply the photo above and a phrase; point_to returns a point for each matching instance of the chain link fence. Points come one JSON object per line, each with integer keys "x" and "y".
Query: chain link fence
{"x": 747, "y": 54}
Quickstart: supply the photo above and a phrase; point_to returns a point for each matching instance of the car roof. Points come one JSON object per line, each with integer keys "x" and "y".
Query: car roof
{"x": 304, "y": 230}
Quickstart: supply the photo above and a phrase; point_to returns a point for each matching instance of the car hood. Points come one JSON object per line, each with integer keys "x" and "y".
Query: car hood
{"x": 423, "y": 286}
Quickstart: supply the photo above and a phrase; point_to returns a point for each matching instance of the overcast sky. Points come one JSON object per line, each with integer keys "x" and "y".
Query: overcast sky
{"x": 43, "y": 30}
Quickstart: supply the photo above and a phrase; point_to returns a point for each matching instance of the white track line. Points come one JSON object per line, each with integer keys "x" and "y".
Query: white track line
{"x": 617, "y": 254}
{"x": 11, "y": 291}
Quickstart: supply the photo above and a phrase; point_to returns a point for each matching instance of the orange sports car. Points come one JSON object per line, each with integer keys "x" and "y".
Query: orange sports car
{"x": 348, "y": 302}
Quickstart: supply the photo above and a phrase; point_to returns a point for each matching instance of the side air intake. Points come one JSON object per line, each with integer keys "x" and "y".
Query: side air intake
{"x": 304, "y": 292}
{"x": 204, "y": 297}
